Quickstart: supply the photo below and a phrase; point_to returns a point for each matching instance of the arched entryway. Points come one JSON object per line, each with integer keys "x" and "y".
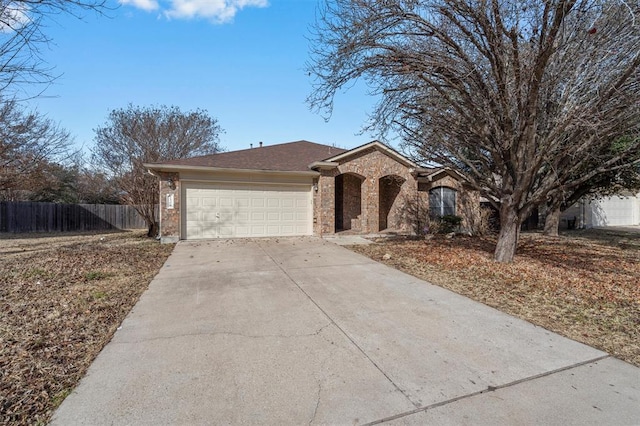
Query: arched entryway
{"x": 348, "y": 188}
{"x": 388, "y": 187}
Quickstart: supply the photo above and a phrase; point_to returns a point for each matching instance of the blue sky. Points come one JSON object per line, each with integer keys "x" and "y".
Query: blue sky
{"x": 241, "y": 60}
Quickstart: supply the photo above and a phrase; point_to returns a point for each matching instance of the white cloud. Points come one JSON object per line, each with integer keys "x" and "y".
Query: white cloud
{"x": 147, "y": 5}
{"x": 219, "y": 11}
{"x": 13, "y": 16}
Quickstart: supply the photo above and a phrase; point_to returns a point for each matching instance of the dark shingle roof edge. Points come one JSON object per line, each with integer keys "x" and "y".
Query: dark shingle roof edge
{"x": 285, "y": 157}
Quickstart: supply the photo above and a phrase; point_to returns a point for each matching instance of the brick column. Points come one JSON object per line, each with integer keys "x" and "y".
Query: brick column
{"x": 169, "y": 215}
{"x": 370, "y": 205}
{"x": 326, "y": 217}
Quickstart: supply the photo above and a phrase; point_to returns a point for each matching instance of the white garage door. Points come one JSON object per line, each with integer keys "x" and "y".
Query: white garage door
{"x": 227, "y": 210}
{"x": 612, "y": 211}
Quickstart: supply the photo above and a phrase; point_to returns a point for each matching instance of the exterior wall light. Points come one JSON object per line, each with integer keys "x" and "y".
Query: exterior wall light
{"x": 172, "y": 184}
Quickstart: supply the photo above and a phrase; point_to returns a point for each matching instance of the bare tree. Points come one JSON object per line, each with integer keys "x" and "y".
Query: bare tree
{"x": 22, "y": 37}
{"x": 515, "y": 95}
{"x": 137, "y": 135}
{"x": 29, "y": 144}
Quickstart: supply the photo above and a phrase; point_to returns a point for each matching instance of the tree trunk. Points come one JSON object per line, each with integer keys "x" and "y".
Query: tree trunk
{"x": 153, "y": 229}
{"x": 508, "y": 237}
{"x": 552, "y": 221}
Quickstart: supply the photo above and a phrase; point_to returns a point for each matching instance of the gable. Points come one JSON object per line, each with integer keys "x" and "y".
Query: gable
{"x": 439, "y": 175}
{"x": 363, "y": 151}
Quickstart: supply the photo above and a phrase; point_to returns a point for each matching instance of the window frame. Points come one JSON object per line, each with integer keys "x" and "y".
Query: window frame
{"x": 442, "y": 209}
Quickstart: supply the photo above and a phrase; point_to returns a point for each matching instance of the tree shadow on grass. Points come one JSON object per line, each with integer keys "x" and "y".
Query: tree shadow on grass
{"x": 57, "y": 234}
{"x": 595, "y": 253}
{"x": 624, "y": 238}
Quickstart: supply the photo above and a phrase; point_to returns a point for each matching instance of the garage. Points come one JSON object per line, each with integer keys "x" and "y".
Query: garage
{"x": 615, "y": 211}
{"x": 606, "y": 211}
{"x": 230, "y": 210}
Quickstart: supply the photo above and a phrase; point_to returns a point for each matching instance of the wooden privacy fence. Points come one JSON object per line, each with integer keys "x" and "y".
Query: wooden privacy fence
{"x": 22, "y": 217}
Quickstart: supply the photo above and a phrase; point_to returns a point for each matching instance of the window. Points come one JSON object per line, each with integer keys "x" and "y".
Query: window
{"x": 442, "y": 202}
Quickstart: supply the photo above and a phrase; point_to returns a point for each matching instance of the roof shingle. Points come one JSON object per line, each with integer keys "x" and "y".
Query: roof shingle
{"x": 292, "y": 156}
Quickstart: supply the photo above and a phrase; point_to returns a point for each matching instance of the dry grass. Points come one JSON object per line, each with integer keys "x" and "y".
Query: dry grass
{"x": 63, "y": 296}
{"x": 584, "y": 285}
{"x": 61, "y": 299}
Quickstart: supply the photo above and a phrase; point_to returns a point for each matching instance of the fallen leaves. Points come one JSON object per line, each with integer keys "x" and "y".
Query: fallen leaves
{"x": 585, "y": 287}
{"x": 61, "y": 299}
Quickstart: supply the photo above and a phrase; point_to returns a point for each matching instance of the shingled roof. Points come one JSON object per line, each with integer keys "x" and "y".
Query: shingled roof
{"x": 292, "y": 156}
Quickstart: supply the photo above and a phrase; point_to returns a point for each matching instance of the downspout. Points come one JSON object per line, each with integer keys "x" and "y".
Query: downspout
{"x": 317, "y": 206}
{"x": 418, "y": 222}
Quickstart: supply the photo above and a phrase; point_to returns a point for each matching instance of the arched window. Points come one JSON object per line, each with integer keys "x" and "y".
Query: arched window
{"x": 442, "y": 201}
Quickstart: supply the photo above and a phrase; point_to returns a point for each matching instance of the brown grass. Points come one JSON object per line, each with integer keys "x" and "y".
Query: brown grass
{"x": 585, "y": 286}
{"x": 61, "y": 299}
{"x": 63, "y": 296}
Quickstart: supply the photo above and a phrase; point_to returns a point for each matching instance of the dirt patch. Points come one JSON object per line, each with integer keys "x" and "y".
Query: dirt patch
{"x": 61, "y": 299}
{"x": 584, "y": 286}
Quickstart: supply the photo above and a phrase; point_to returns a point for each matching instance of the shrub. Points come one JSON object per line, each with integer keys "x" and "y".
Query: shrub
{"x": 445, "y": 224}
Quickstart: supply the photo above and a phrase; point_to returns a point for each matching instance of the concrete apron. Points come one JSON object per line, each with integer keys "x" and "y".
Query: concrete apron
{"x": 293, "y": 331}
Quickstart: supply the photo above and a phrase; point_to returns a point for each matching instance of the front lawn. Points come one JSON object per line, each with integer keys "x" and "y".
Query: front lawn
{"x": 61, "y": 299}
{"x": 584, "y": 285}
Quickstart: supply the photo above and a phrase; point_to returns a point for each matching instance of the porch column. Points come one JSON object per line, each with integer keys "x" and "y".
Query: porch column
{"x": 326, "y": 206}
{"x": 370, "y": 205}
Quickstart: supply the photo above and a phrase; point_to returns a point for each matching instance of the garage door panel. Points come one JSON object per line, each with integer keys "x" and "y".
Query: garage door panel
{"x": 226, "y": 217}
{"x": 242, "y": 202}
{"x": 287, "y": 203}
{"x": 242, "y": 231}
{"x": 193, "y": 215}
{"x": 226, "y": 201}
{"x": 279, "y": 229}
{"x": 209, "y": 202}
{"x": 193, "y": 202}
{"x": 224, "y": 231}
{"x": 258, "y": 230}
{"x": 227, "y": 210}
{"x": 209, "y": 232}
{"x": 287, "y": 216}
{"x": 206, "y": 216}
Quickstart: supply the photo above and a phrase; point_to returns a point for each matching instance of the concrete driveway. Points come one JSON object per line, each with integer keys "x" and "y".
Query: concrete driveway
{"x": 302, "y": 331}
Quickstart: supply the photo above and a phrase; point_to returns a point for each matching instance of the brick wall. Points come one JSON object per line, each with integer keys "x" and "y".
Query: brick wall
{"x": 169, "y": 217}
{"x": 467, "y": 199}
{"x": 351, "y": 202}
{"x": 372, "y": 165}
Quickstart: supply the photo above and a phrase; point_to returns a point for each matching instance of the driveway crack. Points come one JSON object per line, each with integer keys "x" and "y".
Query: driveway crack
{"x": 326, "y": 314}
{"x": 487, "y": 390}
{"x": 227, "y": 333}
{"x": 315, "y": 411}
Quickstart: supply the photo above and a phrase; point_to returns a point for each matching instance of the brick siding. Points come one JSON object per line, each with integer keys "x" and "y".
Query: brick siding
{"x": 372, "y": 165}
